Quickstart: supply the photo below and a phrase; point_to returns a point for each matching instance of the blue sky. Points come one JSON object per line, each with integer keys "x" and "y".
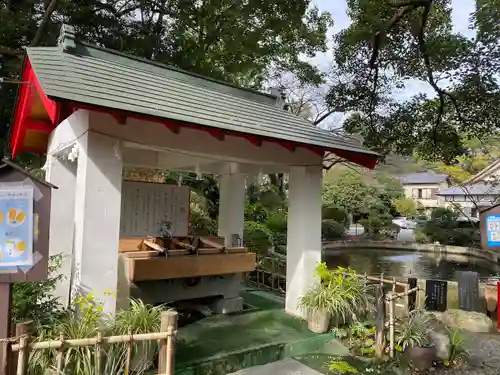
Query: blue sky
{"x": 337, "y": 8}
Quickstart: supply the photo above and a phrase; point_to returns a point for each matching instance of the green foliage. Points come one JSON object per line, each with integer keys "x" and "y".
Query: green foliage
{"x": 255, "y": 212}
{"x": 361, "y": 338}
{"x": 332, "y": 229}
{"x": 370, "y": 202}
{"x": 416, "y": 43}
{"x": 201, "y": 224}
{"x": 378, "y": 221}
{"x": 405, "y": 206}
{"x": 444, "y": 228}
{"x": 458, "y": 346}
{"x": 340, "y": 292}
{"x": 257, "y": 237}
{"x": 35, "y": 300}
{"x": 341, "y": 367}
{"x": 335, "y": 213}
{"x": 85, "y": 320}
{"x": 277, "y": 224}
{"x": 412, "y": 330}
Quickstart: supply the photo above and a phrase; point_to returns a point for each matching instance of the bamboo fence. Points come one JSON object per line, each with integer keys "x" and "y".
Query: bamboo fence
{"x": 19, "y": 352}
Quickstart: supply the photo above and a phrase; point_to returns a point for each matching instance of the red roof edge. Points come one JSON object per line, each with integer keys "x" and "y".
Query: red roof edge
{"x": 22, "y": 121}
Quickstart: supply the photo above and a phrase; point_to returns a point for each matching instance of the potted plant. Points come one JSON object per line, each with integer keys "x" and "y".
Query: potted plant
{"x": 317, "y": 305}
{"x": 341, "y": 297}
{"x": 412, "y": 337}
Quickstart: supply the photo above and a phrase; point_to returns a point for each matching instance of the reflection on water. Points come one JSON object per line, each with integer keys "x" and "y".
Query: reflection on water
{"x": 404, "y": 263}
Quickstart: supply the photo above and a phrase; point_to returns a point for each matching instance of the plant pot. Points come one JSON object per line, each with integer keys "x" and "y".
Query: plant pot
{"x": 491, "y": 297}
{"x": 318, "y": 321}
{"x": 422, "y": 356}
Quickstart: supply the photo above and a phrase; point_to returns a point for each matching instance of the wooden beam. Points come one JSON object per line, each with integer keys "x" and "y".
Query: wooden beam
{"x": 190, "y": 266}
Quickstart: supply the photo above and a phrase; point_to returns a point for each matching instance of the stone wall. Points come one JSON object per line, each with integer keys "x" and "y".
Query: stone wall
{"x": 407, "y": 246}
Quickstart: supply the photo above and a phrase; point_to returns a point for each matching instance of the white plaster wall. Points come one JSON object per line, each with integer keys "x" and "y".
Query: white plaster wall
{"x": 231, "y": 207}
{"x": 62, "y": 173}
{"x": 68, "y": 131}
{"x": 97, "y": 216}
{"x": 427, "y": 203}
{"x": 304, "y": 233}
{"x": 194, "y": 142}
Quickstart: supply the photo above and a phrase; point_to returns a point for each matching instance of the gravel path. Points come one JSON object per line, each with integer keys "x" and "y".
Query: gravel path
{"x": 485, "y": 356}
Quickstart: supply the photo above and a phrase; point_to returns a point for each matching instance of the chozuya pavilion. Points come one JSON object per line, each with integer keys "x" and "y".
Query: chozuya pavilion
{"x": 95, "y": 111}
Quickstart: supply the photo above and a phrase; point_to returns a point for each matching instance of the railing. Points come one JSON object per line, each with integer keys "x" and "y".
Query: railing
{"x": 17, "y": 350}
{"x": 270, "y": 273}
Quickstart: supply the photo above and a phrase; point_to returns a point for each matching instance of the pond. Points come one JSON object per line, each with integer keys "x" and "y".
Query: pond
{"x": 417, "y": 264}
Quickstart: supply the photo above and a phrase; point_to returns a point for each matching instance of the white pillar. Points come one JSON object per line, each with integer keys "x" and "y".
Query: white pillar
{"x": 303, "y": 250}
{"x": 97, "y": 216}
{"x": 62, "y": 173}
{"x": 231, "y": 206}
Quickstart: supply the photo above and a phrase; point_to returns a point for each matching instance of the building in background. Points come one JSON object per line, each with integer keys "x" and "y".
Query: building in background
{"x": 477, "y": 193}
{"x": 469, "y": 200}
{"x": 423, "y": 187}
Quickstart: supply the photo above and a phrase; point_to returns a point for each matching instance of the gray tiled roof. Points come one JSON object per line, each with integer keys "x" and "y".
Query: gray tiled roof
{"x": 83, "y": 73}
{"x": 474, "y": 189}
{"x": 422, "y": 178}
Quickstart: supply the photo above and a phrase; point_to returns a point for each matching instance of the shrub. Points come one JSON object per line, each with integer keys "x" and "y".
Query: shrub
{"x": 255, "y": 212}
{"x": 444, "y": 228}
{"x": 334, "y": 213}
{"x": 35, "y": 300}
{"x": 201, "y": 224}
{"x": 277, "y": 221}
{"x": 257, "y": 237}
{"x": 332, "y": 229}
{"x": 277, "y": 224}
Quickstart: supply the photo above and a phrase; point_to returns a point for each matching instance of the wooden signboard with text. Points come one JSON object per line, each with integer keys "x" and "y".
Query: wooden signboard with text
{"x": 24, "y": 239}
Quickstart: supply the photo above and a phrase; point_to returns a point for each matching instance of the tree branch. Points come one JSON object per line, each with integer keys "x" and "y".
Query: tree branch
{"x": 6, "y": 51}
{"x": 45, "y": 20}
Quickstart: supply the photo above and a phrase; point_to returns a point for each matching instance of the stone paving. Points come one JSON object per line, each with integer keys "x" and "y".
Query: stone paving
{"x": 284, "y": 367}
{"x": 485, "y": 355}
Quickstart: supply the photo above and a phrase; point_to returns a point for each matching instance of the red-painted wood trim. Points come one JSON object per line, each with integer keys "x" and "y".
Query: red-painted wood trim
{"x": 29, "y": 124}
{"x": 50, "y": 106}
{"x": 20, "y": 110}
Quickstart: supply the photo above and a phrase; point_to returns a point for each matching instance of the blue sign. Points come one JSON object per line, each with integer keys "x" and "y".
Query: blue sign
{"x": 493, "y": 230}
{"x": 16, "y": 227}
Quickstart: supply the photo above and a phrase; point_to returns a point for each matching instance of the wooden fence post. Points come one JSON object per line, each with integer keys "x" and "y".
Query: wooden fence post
{"x": 412, "y": 297}
{"x": 5, "y": 324}
{"x": 19, "y": 359}
{"x": 23, "y": 330}
{"x": 380, "y": 321}
{"x": 392, "y": 303}
{"x": 166, "y": 356}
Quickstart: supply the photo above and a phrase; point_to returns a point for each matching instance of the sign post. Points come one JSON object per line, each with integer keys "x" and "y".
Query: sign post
{"x": 24, "y": 240}
{"x": 498, "y": 304}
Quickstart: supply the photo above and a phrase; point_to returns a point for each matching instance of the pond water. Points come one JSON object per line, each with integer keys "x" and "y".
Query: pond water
{"x": 409, "y": 263}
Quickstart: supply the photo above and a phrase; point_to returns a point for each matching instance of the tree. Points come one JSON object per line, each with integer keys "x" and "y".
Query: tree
{"x": 238, "y": 42}
{"x": 392, "y": 41}
{"x": 405, "y": 206}
{"x": 355, "y": 194}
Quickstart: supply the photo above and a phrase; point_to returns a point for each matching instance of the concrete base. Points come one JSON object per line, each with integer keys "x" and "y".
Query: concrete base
{"x": 165, "y": 291}
{"x": 228, "y": 305}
